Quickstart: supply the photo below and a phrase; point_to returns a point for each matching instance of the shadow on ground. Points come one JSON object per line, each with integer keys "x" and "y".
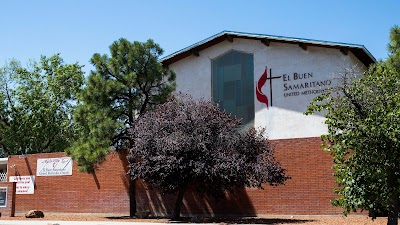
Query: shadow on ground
{"x": 228, "y": 220}
{"x": 246, "y": 220}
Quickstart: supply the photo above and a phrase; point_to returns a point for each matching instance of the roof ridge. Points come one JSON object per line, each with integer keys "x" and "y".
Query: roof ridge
{"x": 201, "y": 43}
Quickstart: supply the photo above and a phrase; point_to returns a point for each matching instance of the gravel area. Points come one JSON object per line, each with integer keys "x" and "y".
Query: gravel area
{"x": 282, "y": 220}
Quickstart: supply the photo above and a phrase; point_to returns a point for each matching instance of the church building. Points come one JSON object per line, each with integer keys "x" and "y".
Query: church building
{"x": 266, "y": 80}
{"x": 269, "y": 81}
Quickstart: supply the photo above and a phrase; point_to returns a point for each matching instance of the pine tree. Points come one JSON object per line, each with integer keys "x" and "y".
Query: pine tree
{"x": 120, "y": 89}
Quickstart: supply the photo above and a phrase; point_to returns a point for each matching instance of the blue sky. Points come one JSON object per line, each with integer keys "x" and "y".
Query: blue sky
{"x": 79, "y": 28}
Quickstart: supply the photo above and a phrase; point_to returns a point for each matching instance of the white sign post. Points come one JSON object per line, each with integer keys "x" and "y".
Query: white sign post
{"x": 54, "y": 167}
{"x": 24, "y": 184}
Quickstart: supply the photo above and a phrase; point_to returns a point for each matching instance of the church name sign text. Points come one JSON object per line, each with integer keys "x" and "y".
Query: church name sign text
{"x": 297, "y": 84}
{"x": 54, "y": 167}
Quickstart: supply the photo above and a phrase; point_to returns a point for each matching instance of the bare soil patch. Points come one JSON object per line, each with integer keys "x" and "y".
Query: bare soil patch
{"x": 281, "y": 220}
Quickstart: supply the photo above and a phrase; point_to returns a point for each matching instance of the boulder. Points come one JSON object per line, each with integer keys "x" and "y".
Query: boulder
{"x": 34, "y": 214}
{"x": 143, "y": 214}
{"x": 196, "y": 219}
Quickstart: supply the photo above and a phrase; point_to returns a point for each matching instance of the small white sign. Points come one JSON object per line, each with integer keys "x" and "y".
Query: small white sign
{"x": 54, "y": 167}
{"x": 24, "y": 184}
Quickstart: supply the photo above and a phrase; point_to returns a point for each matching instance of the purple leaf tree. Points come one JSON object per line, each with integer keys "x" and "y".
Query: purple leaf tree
{"x": 186, "y": 143}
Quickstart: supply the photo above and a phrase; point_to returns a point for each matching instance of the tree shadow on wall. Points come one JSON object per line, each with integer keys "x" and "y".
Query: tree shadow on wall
{"x": 246, "y": 220}
{"x": 222, "y": 220}
{"x": 124, "y": 177}
{"x": 158, "y": 205}
{"x": 96, "y": 180}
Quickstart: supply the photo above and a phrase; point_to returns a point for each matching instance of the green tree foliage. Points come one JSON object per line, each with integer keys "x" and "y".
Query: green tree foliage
{"x": 185, "y": 144}
{"x": 363, "y": 118}
{"x": 120, "y": 89}
{"x": 36, "y": 105}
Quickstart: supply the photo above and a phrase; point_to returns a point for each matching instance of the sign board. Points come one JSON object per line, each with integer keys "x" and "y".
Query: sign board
{"x": 24, "y": 184}
{"x": 54, "y": 167}
{"x": 3, "y": 196}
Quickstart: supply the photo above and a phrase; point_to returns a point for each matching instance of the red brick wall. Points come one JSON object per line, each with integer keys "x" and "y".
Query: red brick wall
{"x": 308, "y": 192}
{"x": 103, "y": 192}
{"x": 311, "y": 187}
{"x": 9, "y": 210}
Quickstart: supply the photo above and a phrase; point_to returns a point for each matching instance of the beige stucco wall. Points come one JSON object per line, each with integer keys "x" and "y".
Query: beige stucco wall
{"x": 285, "y": 118}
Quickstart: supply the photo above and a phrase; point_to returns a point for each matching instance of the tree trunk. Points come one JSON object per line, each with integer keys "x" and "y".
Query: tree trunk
{"x": 132, "y": 183}
{"x": 178, "y": 203}
{"x": 393, "y": 212}
{"x": 393, "y": 209}
{"x": 132, "y": 198}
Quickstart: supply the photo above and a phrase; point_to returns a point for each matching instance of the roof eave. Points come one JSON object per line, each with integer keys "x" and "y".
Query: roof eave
{"x": 358, "y": 50}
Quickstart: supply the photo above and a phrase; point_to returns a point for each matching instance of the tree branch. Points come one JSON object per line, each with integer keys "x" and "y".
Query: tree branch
{"x": 356, "y": 104}
{"x": 9, "y": 97}
{"x": 5, "y": 149}
{"x": 51, "y": 139}
{"x": 121, "y": 136}
{"x": 145, "y": 102}
{"x": 4, "y": 120}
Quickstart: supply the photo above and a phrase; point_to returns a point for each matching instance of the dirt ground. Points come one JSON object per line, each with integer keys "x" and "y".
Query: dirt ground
{"x": 282, "y": 220}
